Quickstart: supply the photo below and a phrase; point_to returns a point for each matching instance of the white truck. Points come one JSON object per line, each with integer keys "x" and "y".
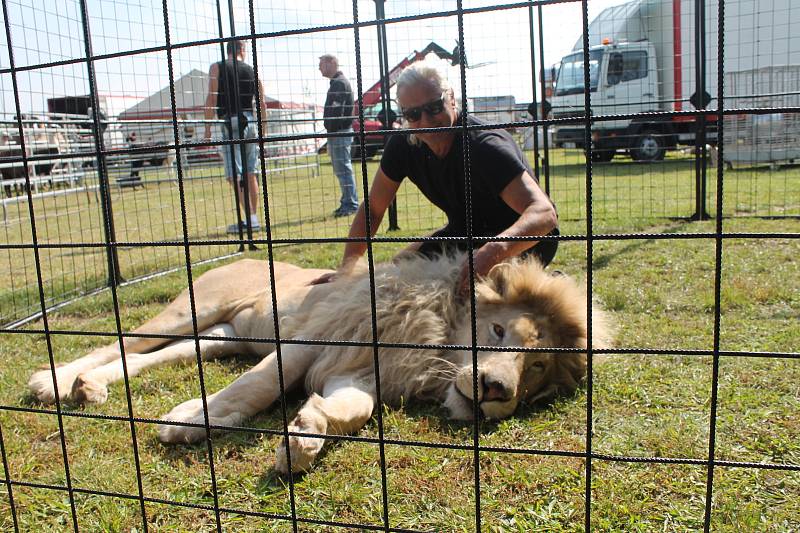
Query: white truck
{"x": 642, "y": 59}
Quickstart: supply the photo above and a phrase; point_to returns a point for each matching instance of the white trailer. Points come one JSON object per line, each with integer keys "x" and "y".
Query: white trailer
{"x": 642, "y": 58}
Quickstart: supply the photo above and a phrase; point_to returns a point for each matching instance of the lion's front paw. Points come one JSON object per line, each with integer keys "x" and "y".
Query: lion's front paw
{"x": 303, "y": 449}
{"x": 190, "y": 412}
{"x": 41, "y": 385}
{"x": 87, "y": 390}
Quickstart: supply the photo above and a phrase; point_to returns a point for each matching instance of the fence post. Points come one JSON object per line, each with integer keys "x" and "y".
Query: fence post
{"x": 533, "y": 110}
{"x": 545, "y": 104}
{"x": 383, "y": 66}
{"x": 114, "y": 274}
{"x": 700, "y": 102}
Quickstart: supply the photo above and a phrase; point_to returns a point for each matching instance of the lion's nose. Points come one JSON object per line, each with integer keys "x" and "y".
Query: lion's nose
{"x": 496, "y": 390}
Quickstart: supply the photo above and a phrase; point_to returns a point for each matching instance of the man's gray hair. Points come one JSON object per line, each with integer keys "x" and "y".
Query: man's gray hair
{"x": 422, "y": 73}
{"x": 330, "y": 57}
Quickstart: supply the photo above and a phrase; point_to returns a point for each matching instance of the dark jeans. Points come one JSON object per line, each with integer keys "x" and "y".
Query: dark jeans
{"x": 544, "y": 251}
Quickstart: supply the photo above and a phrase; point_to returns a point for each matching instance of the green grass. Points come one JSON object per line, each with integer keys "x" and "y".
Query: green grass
{"x": 625, "y": 197}
{"x": 660, "y": 294}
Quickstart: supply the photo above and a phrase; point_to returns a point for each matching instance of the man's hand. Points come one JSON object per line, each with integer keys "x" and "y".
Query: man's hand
{"x": 345, "y": 269}
{"x": 483, "y": 259}
{"x": 325, "y": 278}
{"x": 207, "y": 134}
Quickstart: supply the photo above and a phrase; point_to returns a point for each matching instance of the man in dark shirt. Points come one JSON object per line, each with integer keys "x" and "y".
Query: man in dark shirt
{"x": 337, "y": 118}
{"x": 506, "y": 198}
{"x": 232, "y": 85}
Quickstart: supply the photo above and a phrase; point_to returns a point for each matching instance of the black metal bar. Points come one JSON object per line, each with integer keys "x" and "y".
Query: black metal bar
{"x": 9, "y": 486}
{"x": 383, "y": 66}
{"x": 788, "y": 467}
{"x": 107, "y": 211}
{"x": 323, "y": 342}
{"x": 299, "y": 31}
{"x": 371, "y": 269}
{"x": 546, "y": 141}
{"x": 242, "y": 143}
{"x": 718, "y": 244}
{"x": 780, "y": 467}
{"x": 563, "y": 237}
{"x": 229, "y": 126}
{"x": 189, "y": 277}
{"x": 115, "y": 277}
{"x": 476, "y": 456}
{"x": 580, "y": 119}
{"x": 39, "y": 281}
{"x": 534, "y": 109}
{"x": 587, "y": 99}
{"x": 273, "y": 289}
{"x": 700, "y": 155}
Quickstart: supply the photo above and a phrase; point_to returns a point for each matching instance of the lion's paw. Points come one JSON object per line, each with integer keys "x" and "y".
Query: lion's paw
{"x": 190, "y": 412}
{"x": 41, "y": 385}
{"x": 303, "y": 449}
{"x": 87, "y": 390}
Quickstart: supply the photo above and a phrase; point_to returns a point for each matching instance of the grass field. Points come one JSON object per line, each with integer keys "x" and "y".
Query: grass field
{"x": 660, "y": 293}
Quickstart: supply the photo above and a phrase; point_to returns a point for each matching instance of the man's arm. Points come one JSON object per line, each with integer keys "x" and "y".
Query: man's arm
{"x": 211, "y": 98}
{"x": 381, "y": 194}
{"x": 263, "y": 106}
{"x": 537, "y": 217}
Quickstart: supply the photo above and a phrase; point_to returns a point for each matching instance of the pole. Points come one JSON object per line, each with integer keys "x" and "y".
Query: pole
{"x": 383, "y": 65}
{"x": 546, "y": 159}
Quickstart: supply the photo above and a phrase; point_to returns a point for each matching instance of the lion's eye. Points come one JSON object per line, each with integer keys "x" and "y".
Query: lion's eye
{"x": 539, "y": 365}
{"x": 498, "y": 330}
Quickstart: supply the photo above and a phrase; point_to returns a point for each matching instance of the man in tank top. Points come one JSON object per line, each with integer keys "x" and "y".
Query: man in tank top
{"x": 232, "y": 87}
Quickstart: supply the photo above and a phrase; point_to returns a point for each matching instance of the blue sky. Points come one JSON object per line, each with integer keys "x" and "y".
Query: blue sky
{"x": 48, "y": 30}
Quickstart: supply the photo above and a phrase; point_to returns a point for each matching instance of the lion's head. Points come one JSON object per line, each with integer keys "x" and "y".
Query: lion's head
{"x": 520, "y": 305}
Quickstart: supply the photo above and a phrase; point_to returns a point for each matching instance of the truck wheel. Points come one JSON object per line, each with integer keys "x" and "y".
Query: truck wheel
{"x": 602, "y": 155}
{"x": 648, "y": 147}
{"x": 372, "y": 151}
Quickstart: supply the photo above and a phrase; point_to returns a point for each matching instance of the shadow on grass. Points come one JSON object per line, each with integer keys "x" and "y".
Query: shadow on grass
{"x": 603, "y": 260}
{"x": 621, "y": 168}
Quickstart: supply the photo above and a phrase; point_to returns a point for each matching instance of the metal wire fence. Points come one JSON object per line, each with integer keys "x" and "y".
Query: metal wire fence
{"x": 97, "y": 199}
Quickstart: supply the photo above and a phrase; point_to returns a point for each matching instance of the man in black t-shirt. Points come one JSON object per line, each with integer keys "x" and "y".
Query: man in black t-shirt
{"x": 506, "y": 198}
{"x": 232, "y": 86}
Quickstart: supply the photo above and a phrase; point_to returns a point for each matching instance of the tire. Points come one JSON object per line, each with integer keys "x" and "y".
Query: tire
{"x": 355, "y": 151}
{"x": 157, "y": 161}
{"x": 603, "y": 155}
{"x": 370, "y": 150}
{"x": 648, "y": 147}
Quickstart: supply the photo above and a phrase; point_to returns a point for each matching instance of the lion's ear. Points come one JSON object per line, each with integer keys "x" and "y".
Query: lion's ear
{"x": 498, "y": 275}
{"x": 484, "y": 292}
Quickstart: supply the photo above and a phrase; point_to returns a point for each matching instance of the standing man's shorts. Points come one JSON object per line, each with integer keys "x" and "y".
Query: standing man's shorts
{"x": 250, "y": 149}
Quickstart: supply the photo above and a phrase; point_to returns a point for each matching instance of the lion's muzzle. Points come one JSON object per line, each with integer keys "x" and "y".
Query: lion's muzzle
{"x": 497, "y": 388}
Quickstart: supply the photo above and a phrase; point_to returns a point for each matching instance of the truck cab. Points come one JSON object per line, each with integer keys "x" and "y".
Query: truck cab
{"x": 623, "y": 80}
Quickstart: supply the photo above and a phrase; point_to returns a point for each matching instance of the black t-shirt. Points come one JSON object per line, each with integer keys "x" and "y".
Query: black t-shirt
{"x": 228, "y": 76}
{"x": 495, "y": 160}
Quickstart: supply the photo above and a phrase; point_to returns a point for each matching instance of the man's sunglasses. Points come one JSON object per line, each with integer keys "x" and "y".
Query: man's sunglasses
{"x": 414, "y": 114}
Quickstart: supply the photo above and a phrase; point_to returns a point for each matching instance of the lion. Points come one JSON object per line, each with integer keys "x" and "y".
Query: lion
{"x": 421, "y": 324}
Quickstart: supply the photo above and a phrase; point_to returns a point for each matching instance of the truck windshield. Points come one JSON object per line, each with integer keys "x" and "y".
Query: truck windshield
{"x": 570, "y": 76}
